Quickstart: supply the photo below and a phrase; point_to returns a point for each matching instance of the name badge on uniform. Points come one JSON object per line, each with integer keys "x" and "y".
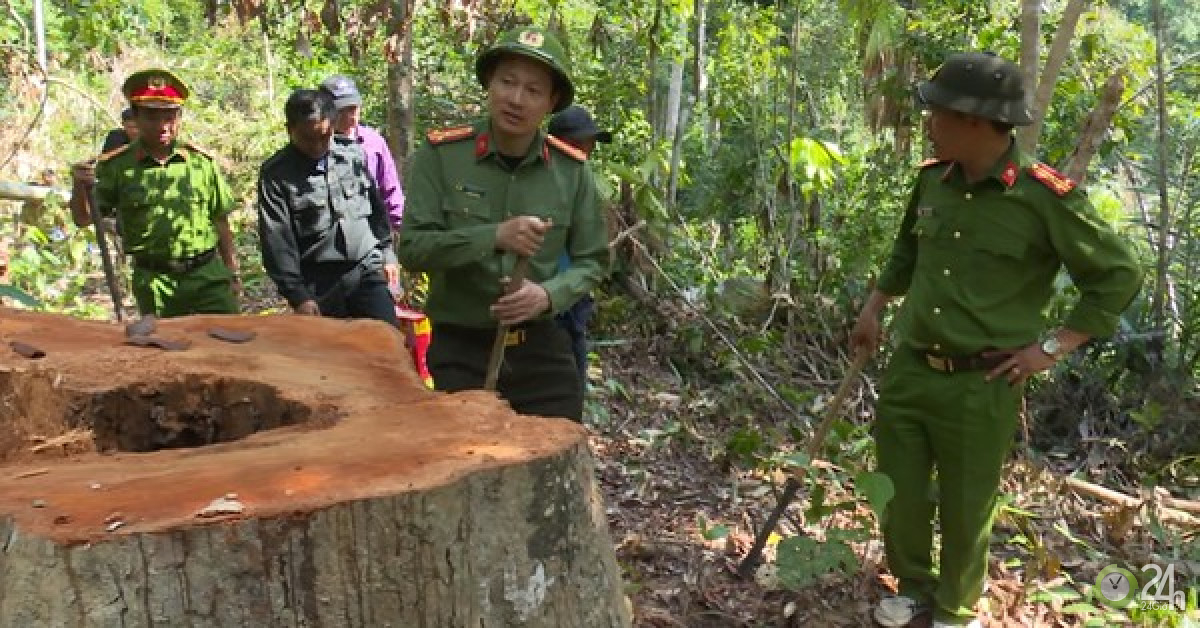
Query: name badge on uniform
{"x": 472, "y": 191}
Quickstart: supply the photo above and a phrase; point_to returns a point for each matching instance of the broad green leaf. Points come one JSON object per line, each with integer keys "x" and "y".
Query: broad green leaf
{"x": 19, "y": 295}
{"x": 877, "y": 488}
{"x": 801, "y": 560}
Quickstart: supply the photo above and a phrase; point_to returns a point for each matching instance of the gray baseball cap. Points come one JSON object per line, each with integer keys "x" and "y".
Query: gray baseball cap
{"x": 344, "y": 91}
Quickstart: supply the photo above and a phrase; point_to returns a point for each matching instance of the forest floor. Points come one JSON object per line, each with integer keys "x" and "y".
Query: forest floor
{"x": 668, "y": 487}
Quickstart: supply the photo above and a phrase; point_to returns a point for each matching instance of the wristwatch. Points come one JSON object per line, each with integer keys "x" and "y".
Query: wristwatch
{"x": 1051, "y": 347}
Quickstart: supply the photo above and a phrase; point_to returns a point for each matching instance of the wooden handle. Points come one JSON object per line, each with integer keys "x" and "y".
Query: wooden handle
{"x": 496, "y": 358}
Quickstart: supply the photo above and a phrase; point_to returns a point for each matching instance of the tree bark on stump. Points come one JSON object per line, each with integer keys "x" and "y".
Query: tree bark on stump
{"x": 304, "y": 478}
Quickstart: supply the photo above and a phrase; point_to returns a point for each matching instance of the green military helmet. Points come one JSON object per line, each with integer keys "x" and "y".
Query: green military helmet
{"x": 537, "y": 44}
{"x": 980, "y": 84}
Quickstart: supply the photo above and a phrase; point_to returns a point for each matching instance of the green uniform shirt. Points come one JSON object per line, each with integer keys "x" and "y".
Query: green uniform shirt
{"x": 459, "y": 190}
{"x": 166, "y": 210}
{"x": 977, "y": 262}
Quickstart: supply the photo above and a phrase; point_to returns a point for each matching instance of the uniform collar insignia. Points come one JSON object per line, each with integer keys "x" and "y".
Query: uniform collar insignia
{"x": 1009, "y": 174}
{"x": 482, "y": 147}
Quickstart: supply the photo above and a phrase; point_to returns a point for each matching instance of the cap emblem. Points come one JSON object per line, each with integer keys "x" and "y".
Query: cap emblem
{"x": 156, "y": 82}
{"x": 533, "y": 39}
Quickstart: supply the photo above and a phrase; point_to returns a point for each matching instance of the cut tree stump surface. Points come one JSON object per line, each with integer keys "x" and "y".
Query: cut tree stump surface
{"x": 319, "y": 424}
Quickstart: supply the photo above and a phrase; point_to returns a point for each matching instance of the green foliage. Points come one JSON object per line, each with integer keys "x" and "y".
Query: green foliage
{"x": 801, "y": 560}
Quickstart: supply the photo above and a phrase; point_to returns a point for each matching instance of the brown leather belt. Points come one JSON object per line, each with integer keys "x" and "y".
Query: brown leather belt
{"x": 959, "y": 363}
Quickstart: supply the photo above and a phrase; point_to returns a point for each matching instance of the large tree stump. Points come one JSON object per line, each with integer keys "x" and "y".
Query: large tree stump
{"x": 365, "y": 499}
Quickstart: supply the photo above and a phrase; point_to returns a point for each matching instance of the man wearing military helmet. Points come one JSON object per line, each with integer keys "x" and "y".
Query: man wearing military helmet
{"x": 483, "y": 196}
{"x": 985, "y": 232}
{"x": 172, "y": 205}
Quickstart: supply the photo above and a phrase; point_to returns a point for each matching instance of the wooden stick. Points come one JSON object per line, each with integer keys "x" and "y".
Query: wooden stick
{"x": 832, "y": 412}
{"x": 496, "y": 358}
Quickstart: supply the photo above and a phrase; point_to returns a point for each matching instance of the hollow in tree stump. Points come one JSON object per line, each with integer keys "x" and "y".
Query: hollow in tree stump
{"x": 304, "y": 478}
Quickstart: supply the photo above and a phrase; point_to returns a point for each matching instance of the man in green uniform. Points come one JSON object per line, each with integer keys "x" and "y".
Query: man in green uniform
{"x": 479, "y": 198}
{"x": 172, "y": 205}
{"x": 984, "y": 235}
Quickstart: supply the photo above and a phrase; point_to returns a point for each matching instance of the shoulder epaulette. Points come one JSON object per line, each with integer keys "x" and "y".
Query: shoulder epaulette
{"x": 196, "y": 149}
{"x": 445, "y": 136}
{"x": 113, "y": 153}
{"x": 1058, "y": 182}
{"x": 933, "y": 161}
{"x": 569, "y": 150}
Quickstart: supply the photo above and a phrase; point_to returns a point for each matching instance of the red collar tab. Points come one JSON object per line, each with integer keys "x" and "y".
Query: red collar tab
{"x": 481, "y": 145}
{"x": 546, "y": 153}
{"x": 1009, "y": 174}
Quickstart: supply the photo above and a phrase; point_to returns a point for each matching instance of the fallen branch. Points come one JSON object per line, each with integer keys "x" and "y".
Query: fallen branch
{"x": 74, "y": 437}
{"x": 1170, "y": 509}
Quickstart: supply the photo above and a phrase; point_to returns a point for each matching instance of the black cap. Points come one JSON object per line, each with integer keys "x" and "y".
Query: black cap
{"x": 575, "y": 123}
{"x": 344, "y": 91}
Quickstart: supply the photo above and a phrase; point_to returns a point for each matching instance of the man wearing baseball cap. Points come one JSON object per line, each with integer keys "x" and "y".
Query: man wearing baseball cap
{"x": 172, "y": 205}
{"x": 985, "y": 233}
{"x": 348, "y": 101}
{"x": 484, "y": 197}
{"x": 576, "y": 126}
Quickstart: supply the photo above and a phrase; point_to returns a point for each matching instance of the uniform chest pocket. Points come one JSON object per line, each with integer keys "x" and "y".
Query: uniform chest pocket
{"x": 927, "y": 225}
{"x": 466, "y": 210}
{"x": 310, "y": 217}
{"x": 1002, "y": 244}
{"x": 133, "y": 194}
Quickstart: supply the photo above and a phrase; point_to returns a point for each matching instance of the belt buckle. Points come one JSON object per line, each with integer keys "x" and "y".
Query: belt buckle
{"x": 944, "y": 365}
{"x": 514, "y": 337}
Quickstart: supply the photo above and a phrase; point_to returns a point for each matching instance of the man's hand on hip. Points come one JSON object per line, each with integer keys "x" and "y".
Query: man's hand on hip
{"x": 522, "y": 235}
{"x": 528, "y": 301}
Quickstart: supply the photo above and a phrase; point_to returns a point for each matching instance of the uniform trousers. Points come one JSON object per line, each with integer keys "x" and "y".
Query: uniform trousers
{"x": 962, "y": 427}
{"x": 207, "y": 289}
{"x": 538, "y": 376}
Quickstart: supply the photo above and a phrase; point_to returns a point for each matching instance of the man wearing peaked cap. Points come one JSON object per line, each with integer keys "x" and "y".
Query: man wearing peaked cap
{"x": 986, "y": 230}
{"x": 171, "y": 203}
{"x": 482, "y": 198}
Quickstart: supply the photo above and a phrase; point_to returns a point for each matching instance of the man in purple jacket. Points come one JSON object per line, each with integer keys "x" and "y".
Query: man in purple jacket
{"x": 380, "y": 164}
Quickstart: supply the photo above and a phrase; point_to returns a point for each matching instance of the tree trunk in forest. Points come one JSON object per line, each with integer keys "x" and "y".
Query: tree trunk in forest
{"x": 1095, "y": 127}
{"x": 1158, "y": 304}
{"x": 1031, "y": 51}
{"x": 700, "y": 60}
{"x": 303, "y": 478}
{"x": 1028, "y": 136}
{"x": 401, "y": 117}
